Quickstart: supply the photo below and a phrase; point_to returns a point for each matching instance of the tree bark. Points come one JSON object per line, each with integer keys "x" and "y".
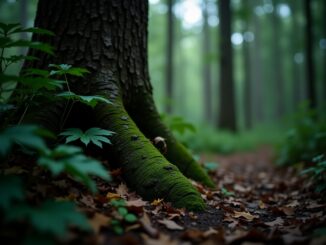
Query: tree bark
{"x": 207, "y": 74}
{"x": 278, "y": 62}
{"x": 227, "y": 117}
{"x": 169, "y": 57}
{"x": 311, "y": 83}
{"x": 110, "y": 39}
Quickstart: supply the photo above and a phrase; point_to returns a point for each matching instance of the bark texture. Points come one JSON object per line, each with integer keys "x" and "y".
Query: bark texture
{"x": 110, "y": 39}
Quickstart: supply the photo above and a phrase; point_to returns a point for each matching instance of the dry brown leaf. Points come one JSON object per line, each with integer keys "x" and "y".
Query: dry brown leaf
{"x": 170, "y": 224}
{"x": 156, "y": 202}
{"x": 116, "y": 172}
{"x": 88, "y": 201}
{"x": 245, "y": 215}
{"x": 112, "y": 196}
{"x": 122, "y": 190}
{"x": 147, "y": 225}
{"x": 136, "y": 203}
{"x": 161, "y": 240}
{"x": 98, "y": 221}
{"x": 287, "y": 210}
{"x": 210, "y": 232}
{"x": 261, "y": 204}
{"x": 277, "y": 222}
{"x": 293, "y": 204}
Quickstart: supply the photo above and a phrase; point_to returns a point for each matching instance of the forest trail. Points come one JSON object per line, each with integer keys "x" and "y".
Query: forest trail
{"x": 255, "y": 202}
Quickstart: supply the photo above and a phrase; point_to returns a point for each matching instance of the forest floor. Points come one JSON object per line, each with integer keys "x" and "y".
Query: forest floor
{"x": 254, "y": 203}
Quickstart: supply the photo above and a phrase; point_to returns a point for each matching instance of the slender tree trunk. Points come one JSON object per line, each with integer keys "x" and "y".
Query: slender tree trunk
{"x": 257, "y": 71}
{"x": 227, "y": 117}
{"x": 110, "y": 39}
{"x": 278, "y": 62}
{"x": 295, "y": 46}
{"x": 169, "y": 57}
{"x": 247, "y": 71}
{"x": 207, "y": 74}
{"x": 311, "y": 82}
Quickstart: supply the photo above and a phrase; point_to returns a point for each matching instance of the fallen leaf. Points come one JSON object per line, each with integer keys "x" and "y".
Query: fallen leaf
{"x": 170, "y": 224}
{"x": 161, "y": 240}
{"x": 99, "y": 220}
{"x": 116, "y": 172}
{"x": 287, "y": 210}
{"x": 136, "y": 203}
{"x": 122, "y": 190}
{"x": 210, "y": 232}
{"x": 245, "y": 215}
{"x": 88, "y": 201}
{"x": 156, "y": 202}
{"x": 293, "y": 204}
{"x": 147, "y": 225}
{"x": 278, "y": 221}
{"x": 261, "y": 204}
{"x": 112, "y": 196}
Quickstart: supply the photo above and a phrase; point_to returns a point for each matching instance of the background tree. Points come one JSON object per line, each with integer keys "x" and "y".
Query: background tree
{"x": 227, "y": 112}
{"x": 169, "y": 56}
{"x": 311, "y": 87}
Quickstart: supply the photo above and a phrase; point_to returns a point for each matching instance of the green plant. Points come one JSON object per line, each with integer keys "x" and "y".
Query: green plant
{"x": 94, "y": 135}
{"x": 318, "y": 172}
{"x": 178, "y": 124}
{"x": 305, "y": 140}
{"x": 120, "y": 206}
{"x": 47, "y": 217}
{"x": 50, "y": 217}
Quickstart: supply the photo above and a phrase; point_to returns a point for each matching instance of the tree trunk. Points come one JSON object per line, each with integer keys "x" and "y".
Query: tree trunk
{"x": 311, "y": 83}
{"x": 277, "y": 62}
{"x": 227, "y": 117}
{"x": 257, "y": 71}
{"x": 110, "y": 39}
{"x": 169, "y": 57}
{"x": 207, "y": 74}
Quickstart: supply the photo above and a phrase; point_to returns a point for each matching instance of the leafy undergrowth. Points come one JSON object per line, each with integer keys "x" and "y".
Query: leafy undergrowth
{"x": 253, "y": 202}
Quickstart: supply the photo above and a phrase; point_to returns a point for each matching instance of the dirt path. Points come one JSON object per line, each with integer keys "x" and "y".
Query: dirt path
{"x": 254, "y": 202}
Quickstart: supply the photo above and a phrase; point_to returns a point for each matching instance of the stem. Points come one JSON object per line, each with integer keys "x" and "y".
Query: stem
{"x": 67, "y": 82}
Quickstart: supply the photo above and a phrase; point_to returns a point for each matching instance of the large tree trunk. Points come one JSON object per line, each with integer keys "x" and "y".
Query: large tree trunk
{"x": 110, "y": 39}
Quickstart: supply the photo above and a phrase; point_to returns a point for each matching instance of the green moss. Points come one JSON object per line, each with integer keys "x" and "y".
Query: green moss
{"x": 149, "y": 122}
{"x": 145, "y": 169}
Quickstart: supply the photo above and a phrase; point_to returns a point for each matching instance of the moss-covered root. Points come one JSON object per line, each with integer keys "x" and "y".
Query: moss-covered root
{"x": 149, "y": 122}
{"x": 145, "y": 169}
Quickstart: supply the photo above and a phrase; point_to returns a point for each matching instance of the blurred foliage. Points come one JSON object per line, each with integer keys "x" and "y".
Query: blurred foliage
{"x": 305, "y": 140}
{"x": 46, "y": 217}
{"x": 318, "y": 172}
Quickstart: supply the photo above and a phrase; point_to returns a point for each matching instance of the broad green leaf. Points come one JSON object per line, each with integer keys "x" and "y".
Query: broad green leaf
{"x": 46, "y": 48}
{"x": 69, "y": 159}
{"x": 122, "y": 211}
{"x": 17, "y": 58}
{"x": 11, "y": 189}
{"x": 6, "y": 28}
{"x": 131, "y": 218}
{"x": 67, "y": 69}
{"x": 51, "y": 217}
{"x": 88, "y": 100}
{"x": 25, "y": 135}
{"x": 94, "y": 135}
{"x": 35, "y": 30}
{"x": 34, "y": 71}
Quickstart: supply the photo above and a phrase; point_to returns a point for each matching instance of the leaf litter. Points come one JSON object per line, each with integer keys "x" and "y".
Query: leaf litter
{"x": 267, "y": 205}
